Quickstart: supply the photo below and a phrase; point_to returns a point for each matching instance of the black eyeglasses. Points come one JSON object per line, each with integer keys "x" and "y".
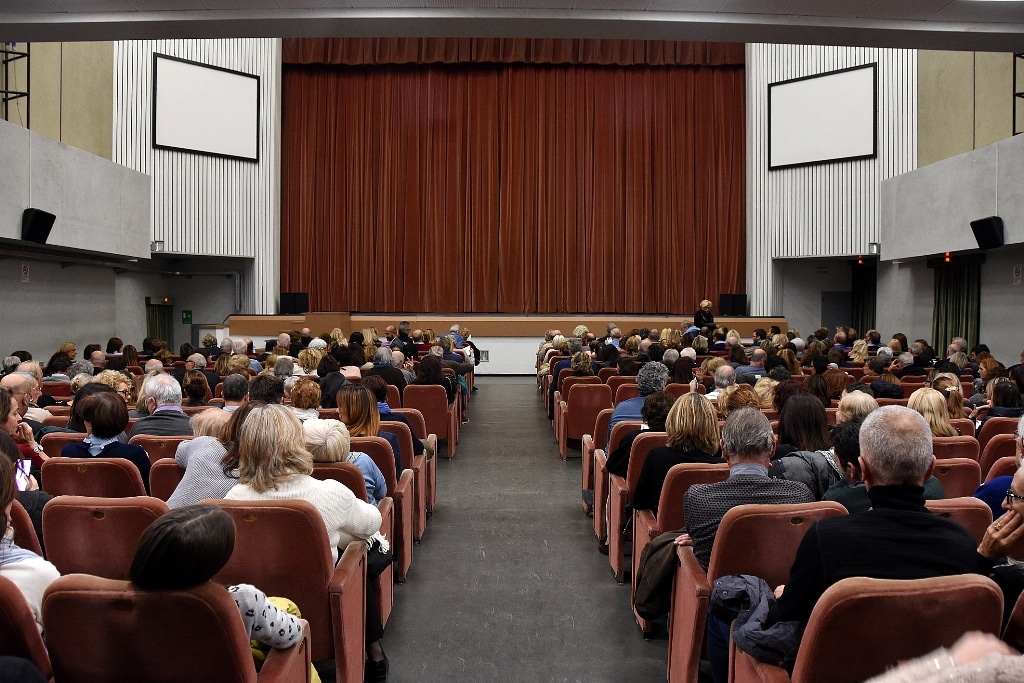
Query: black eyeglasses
{"x": 1010, "y": 496}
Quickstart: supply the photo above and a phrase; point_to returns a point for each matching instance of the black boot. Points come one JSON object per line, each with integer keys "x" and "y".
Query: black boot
{"x": 376, "y": 672}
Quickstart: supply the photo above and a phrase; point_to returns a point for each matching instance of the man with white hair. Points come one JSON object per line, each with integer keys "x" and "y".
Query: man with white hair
{"x": 725, "y": 376}
{"x": 163, "y": 401}
{"x": 197, "y": 361}
{"x": 898, "y": 538}
{"x": 98, "y": 359}
{"x": 153, "y": 365}
{"x": 653, "y": 376}
{"x": 239, "y": 347}
{"x": 398, "y": 360}
{"x": 382, "y": 366}
{"x": 453, "y": 332}
{"x": 23, "y": 386}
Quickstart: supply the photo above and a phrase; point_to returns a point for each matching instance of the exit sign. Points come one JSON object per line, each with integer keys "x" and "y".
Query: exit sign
{"x": 186, "y": 316}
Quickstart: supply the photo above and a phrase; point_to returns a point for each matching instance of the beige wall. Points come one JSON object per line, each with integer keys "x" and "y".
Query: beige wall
{"x": 71, "y": 94}
{"x": 965, "y": 101}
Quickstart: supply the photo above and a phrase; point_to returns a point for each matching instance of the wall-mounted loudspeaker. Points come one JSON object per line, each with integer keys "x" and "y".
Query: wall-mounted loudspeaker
{"x": 294, "y": 303}
{"x": 732, "y": 304}
{"x": 35, "y": 225}
{"x": 988, "y": 232}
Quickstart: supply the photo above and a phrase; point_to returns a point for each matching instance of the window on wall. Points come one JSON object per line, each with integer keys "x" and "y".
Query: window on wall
{"x": 957, "y": 299}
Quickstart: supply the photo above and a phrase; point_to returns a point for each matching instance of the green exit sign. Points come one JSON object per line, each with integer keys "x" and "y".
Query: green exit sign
{"x": 186, "y": 317}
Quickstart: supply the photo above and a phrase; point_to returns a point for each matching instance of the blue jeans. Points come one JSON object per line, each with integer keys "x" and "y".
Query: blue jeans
{"x": 718, "y": 633}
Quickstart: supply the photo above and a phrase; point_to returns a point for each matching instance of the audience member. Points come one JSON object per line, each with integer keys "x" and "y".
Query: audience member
{"x": 329, "y": 441}
{"x": 106, "y": 417}
{"x": 210, "y": 469}
{"x": 651, "y": 378}
{"x": 163, "y": 405}
{"x": 266, "y": 388}
{"x": 654, "y": 412}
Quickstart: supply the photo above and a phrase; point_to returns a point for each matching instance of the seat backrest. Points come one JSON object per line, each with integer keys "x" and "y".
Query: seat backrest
{"x": 19, "y": 634}
{"x": 620, "y": 430}
{"x": 1013, "y": 634}
{"x": 401, "y": 430}
{"x": 327, "y": 413}
{"x": 56, "y": 421}
{"x": 97, "y": 536}
{"x": 562, "y": 374}
{"x": 24, "y": 531}
{"x": 638, "y": 451}
{"x": 416, "y": 421}
{"x": 762, "y": 539}
{"x": 617, "y": 381}
{"x": 969, "y": 512}
{"x": 999, "y": 446}
{"x": 671, "y": 508}
{"x": 54, "y": 442}
{"x": 281, "y": 546}
{"x": 625, "y": 392}
{"x": 584, "y": 403}
{"x": 573, "y": 380}
{"x": 958, "y": 476}
{"x": 345, "y": 472}
{"x": 892, "y": 621}
{"x": 164, "y": 477}
{"x": 600, "y": 432}
{"x": 383, "y": 457}
{"x": 964, "y": 426}
{"x": 101, "y": 630}
{"x": 996, "y": 425}
{"x": 158, "y": 447}
{"x": 955, "y": 447}
{"x": 394, "y": 399}
{"x": 605, "y": 373}
{"x": 1003, "y": 467}
{"x": 432, "y": 402}
{"x": 677, "y": 389}
{"x": 99, "y": 477}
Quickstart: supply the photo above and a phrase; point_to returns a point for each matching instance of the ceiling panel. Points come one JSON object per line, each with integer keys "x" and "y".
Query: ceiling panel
{"x": 974, "y": 12}
{"x": 30, "y": 6}
{"x": 911, "y": 10}
{"x": 758, "y": 6}
{"x": 96, "y": 5}
{"x": 239, "y": 4}
{"x": 830, "y": 8}
{"x": 166, "y": 5}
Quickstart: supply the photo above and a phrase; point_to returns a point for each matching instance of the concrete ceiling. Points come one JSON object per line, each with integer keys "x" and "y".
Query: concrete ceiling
{"x": 927, "y": 24}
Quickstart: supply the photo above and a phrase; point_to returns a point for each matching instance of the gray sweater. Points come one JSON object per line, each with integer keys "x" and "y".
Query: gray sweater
{"x": 204, "y": 478}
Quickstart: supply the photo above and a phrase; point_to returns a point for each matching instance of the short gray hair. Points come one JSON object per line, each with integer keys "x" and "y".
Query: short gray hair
{"x": 80, "y": 367}
{"x": 747, "y": 433}
{"x": 403, "y": 327}
{"x": 152, "y": 365}
{"x": 235, "y": 387}
{"x": 382, "y": 356}
{"x": 725, "y": 376}
{"x": 885, "y": 353}
{"x": 226, "y": 344}
{"x": 896, "y": 442}
{"x": 397, "y": 359}
{"x": 10, "y": 363}
{"x": 198, "y": 359}
{"x": 164, "y": 389}
{"x": 284, "y": 366}
{"x": 651, "y": 378}
{"x": 239, "y": 346}
{"x": 670, "y": 357}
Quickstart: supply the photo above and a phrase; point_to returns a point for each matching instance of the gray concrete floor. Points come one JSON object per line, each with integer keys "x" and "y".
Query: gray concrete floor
{"x": 508, "y": 584}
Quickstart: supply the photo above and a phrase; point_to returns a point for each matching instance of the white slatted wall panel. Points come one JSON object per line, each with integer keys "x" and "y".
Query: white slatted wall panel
{"x": 205, "y": 205}
{"x": 827, "y": 209}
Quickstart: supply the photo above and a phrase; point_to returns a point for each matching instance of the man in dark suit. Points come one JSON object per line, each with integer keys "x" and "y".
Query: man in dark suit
{"x": 163, "y": 401}
{"x": 197, "y": 361}
{"x": 383, "y": 368}
{"x": 898, "y": 538}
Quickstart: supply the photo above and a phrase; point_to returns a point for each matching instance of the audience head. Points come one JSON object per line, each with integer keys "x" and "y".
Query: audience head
{"x": 855, "y": 405}
{"x": 655, "y": 409}
{"x": 266, "y": 388}
{"x": 235, "y": 388}
{"x": 116, "y": 381}
{"x": 725, "y": 376}
{"x": 737, "y": 396}
{"x": 195, "y": 386}
{"x": 211, "y": 422}
{"x": 306, "y": 394}
{"x": 271, "y": 447}
{"x": 896, "y": 447}
{"x": 747, "y": 437}
{"x": 786, "y": 389}
{"x": 378, "y": 386}
{"x": 357, "y": 408}
{"x": 803, "y": 424}
{"x": 184, "y": 548}
{"x": 692, "y": 425}
{"x": 817, "y": 386}
{"x": 104, "y": 414}
{"x": 581, "y": 364}
{"x": 327, "y": 440}
{"x": 162, "y": 390}
{"x": 430, "y": 370}
{"x": 1003, "y": 393}
{"x": 652, "y": 377}
{"x": 846, "y": 443}
{"x": 932, "y": 405}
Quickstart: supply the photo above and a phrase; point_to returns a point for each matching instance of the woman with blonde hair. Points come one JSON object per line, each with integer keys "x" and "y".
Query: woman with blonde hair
{"x": 329, "y": 441}
{"x": 581, "y": 364}
{"x": 692, "y": 429}
{"x": 792, "y": 364}
{"x": 116, "y": 381}
{"x": 273, "y": 464}
{"x": 630, "y": 345}
{"x": 339, "y": 337}
{"x": 765, "y": 389}
{"x": 221, "y": 366}
{"x": 69, "y": 348}
{"x": 309, "y": 359}
{"x": 949, "y": 386}
{"x": 735, "y": 397}
{"x": 859, "y": 352}
{"x": 855, "y": 405}
{"x": 932, "y": 405}
{"x": 703, "y": 317}
{"x": 271, "y": 363}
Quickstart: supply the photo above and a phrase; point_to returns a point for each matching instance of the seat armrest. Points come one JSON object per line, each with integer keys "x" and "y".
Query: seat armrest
{"x": 688, "y": 617}
{"x": 288, "y": 665}
{"x": 745, "y": 669}
{"x": 386, "y": 507}
{"x": 347, "y": 595}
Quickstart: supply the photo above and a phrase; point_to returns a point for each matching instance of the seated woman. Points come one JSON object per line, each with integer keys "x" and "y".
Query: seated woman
{"x": 305, "y": 395}
{"x": 952, "y": 391}
{"x": 26, "y": 570}
{"x": 803, "y": 426}
{"x": 932, "y": 405}
{"x": 1003, "y": 400}
{"x": 118, "y": 382}
{"x": 185, "y": 548}
{"x": 654, "y": 412}
{"x": 818, "y": 387}
{"x": 274, "y": 464}
{"x": 855, "y": 405}
{"x": 328, "y": 441}
{"x": 379, "y": 387}
{"x": 203, "y": 457}
{"x": 431, "y": 372}
{"x": 195, "y": 388}
{"x": 692, "y": 429}
{"x": 106, "y": 416}
{"x": 357, "y": 408}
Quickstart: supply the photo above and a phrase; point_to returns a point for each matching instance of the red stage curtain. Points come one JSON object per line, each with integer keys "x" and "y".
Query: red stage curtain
{"x": 513, "y": 188}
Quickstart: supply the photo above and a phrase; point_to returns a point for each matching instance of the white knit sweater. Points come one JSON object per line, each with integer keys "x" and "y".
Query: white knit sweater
{"x": 346, "y": 517}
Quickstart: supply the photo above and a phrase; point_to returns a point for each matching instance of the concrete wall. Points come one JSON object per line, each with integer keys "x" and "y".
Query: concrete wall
{"x": 803, "y": 282}
{"x": 965, "y": 101}
{"x": 1002, "y": 310}
{"x": 100, "y": 206}
{"x": 906, "y": 299}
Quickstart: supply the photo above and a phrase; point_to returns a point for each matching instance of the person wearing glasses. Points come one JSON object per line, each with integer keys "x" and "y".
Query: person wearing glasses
{"x": 993, "y": 492}
{"x": 898, "y": 538}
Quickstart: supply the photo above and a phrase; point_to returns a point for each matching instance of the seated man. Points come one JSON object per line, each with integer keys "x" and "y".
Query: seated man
{"x": 652, "y": 377}
{"x": 235, "y": 392}
{"x": 725, "y": 377}
{"x": 898, "y": 538}
{"x": 755, "y": 370}
{"x": 163, "y": 402}
{"x": 383, "y": 368}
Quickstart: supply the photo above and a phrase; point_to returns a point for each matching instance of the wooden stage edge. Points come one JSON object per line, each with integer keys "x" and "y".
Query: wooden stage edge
{"x": 480, "y": 325}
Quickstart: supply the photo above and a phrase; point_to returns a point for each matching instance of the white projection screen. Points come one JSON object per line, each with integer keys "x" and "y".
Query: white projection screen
{"x": 205, "y": 109}
{"x": 822, "y": 118}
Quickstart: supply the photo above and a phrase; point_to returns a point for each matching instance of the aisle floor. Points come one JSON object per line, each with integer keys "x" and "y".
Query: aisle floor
{"x": 508, "y": 584}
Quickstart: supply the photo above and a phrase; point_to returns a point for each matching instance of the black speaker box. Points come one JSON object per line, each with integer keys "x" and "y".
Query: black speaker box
{"x": 294, "y": 303}
{"x": 988, "y": 232}
{"x": 35, "y": 225}
{"x": 732, "y": 304}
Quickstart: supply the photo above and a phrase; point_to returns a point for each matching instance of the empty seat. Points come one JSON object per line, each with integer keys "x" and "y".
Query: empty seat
{"x": 955, "y": 447}
{"x": 578, "y": 412}
{"x": 999, "y": 446}
{"x": 158, "y": 447}
{"x": 958, "y": 476}
{"x": 100, "y": 477}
